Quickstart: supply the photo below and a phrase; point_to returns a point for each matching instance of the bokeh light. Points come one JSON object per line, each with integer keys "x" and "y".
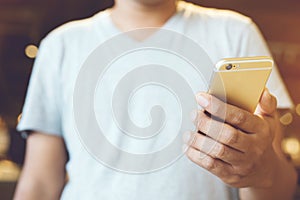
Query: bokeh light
{"x": 298, "y": 109}
{"x": 286, "y": 119}
{"x": 31, "y": 51}
{"x": 291, "y": 146}
{"x": 19, "y": 117}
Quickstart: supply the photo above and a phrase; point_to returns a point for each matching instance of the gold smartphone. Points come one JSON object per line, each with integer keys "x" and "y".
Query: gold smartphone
{"x": 241, "y": 81}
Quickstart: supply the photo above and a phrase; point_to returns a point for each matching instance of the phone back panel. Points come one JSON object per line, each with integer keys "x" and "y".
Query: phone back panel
{"x": 242, "y": 85}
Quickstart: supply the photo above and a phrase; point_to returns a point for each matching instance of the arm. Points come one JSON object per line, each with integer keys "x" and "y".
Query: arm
{"x": 283, "y": 184}
{"x": 244, "y": 152}
{"x": 43, "y": 174}
{"x": 284, "y": 181}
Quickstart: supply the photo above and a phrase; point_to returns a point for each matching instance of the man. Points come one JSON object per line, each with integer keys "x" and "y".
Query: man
{"x": 245, "y": 156}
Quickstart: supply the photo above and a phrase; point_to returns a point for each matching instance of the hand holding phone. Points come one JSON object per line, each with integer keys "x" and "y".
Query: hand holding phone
{"x": 237, "y": 145}
{"x": 241, "y": 81}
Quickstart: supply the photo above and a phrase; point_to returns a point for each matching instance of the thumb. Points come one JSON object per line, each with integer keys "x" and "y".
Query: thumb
{"x": 267, "y": 104}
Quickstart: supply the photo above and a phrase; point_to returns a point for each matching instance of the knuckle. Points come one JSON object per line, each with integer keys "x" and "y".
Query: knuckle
{"x": 208, "y": 163}
{"x": 239, "y": 118}
{"x": 201, "y": 159}
{"x": 220, "y": 150}
{"x": 194, "y": 139}
{"x": 203, "y": 123}
{"x": 189, "y": 154}
{"x": 200, "y": 123}
{"x": 231, "y": 136}
{"x": 217, "y": 108}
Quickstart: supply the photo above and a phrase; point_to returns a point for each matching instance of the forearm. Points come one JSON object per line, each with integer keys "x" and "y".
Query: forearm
{"x": 284, "y": 180}
{"x": 43, "y": 174}
{"x": 36, "y": 190}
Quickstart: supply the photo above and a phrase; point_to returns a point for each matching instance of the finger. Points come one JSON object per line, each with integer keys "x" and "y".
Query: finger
{"x": 233, "y": 115}
{"x": 217, "y": 150}
{"x": 223, "y": 133}
{"x": 215, "y": 166}
{"x": 267, "y": 104}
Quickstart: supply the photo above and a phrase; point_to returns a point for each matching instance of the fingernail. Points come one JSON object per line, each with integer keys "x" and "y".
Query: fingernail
{"x": 187, "y": 137}
{"x": 202, "y": 100}
{"x": 194, "y": 115}
{"x": 267, "y": 94}
{"x": 267, "y": 90}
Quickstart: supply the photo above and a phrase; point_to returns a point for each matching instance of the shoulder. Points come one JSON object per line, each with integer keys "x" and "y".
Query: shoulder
{"x": 76, "y": 28}
{"x": 214, "y": 16}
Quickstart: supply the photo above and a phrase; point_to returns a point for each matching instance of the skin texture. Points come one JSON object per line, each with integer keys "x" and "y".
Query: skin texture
{"x": 246, "y": 154}
{"x": 134, "y": 14}
{"x": 43, "y": 174}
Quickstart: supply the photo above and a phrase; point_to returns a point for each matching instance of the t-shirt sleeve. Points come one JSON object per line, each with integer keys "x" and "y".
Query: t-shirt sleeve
{"x": 41, "y": 111}
{"x": 253, "y": 44}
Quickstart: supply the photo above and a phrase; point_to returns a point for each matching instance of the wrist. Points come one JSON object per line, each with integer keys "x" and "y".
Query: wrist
{"x": 277, "y": 180}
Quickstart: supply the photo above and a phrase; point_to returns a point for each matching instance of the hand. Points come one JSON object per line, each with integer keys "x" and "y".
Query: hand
{"x": 240, "y": 150}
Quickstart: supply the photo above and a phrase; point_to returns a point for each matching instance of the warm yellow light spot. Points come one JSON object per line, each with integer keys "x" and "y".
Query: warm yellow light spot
{"x": 291, "y": 146}
{"x": 286, "y": 119}
{"x": 19, "y": 118}
{"x": 298, "y": 109}
{"x": 9, "y": 171}
{"x": 31, "y": 51}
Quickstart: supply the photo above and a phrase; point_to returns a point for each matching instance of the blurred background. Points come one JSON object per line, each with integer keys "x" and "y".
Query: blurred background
{"x": 23, "y": 23}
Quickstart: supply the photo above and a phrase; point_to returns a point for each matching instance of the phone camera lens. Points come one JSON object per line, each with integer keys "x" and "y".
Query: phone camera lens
{"x": 229, "y": 67}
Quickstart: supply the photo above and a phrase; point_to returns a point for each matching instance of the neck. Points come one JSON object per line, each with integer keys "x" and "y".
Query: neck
{"x": 134, "y": 14}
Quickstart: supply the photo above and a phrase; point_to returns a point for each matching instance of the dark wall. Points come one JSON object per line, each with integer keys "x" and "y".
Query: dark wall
{"x": 22, "y": 23}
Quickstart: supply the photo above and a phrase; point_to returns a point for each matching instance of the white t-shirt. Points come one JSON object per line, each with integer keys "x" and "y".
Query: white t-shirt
{"x": 48, "y": 106}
